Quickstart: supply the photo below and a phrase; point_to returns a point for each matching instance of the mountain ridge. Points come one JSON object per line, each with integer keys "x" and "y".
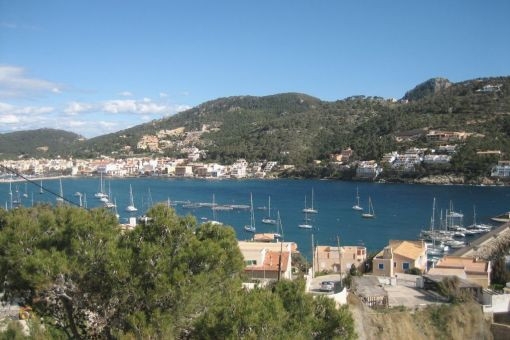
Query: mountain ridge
{"x": 298, "y": 128}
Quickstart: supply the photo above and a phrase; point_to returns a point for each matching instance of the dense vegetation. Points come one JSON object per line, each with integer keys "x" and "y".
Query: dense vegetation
{"x": 295, "y": 128}
{"x": 48, "y": 143}
{"x": 168, "y": 279}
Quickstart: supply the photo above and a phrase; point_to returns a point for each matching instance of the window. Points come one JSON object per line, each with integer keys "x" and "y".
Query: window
{"x": 394, "y": 264}
{"x": 381, "y": 266}
{"x": 405, "y": 266}
{"x": 250, "y": 262}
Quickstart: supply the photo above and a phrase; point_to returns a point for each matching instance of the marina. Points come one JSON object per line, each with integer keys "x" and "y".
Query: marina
{"x": 403, "y": 210}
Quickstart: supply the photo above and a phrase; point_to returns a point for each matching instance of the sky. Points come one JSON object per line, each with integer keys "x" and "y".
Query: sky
{"x": 94, "y": 67}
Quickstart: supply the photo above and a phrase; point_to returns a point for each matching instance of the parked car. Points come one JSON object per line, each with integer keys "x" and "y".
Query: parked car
{"x": 327, "y": 286}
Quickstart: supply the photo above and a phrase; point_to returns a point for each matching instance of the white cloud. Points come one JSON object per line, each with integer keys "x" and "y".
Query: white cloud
{"x": 15, "y": 83}
{"x": 76, "y": 123}
{"x": 108, "y": 125}
{"x": 182, "y": 107}
{"x": 117, "y": 106}
{"x": 25, "y": 110}
{"x": 145, "y": 106}
{"x": 86, "y": 118}
{"x": 9, "y": 119}
{"x": 126, "y": 94}
{"x": 73, "y": 108}
{"x": 163, "y": 95}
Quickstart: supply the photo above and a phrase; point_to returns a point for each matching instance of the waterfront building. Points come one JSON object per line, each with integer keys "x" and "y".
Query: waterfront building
{"x": 238, "y": 169}
{"x": 471, "y": 269}
{"x": 436, "y": 159}
{"x": 184, "y": 171}
{"x": 368, "y": 169}
{"x": 400, "y": 257}
{"x": 339, "y": 259}
{"x": 501, "y": 170}
{"x": 267, "y": 261}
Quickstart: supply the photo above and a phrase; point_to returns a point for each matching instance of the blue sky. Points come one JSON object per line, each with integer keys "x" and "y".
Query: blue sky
{"x": 95, "y": 67}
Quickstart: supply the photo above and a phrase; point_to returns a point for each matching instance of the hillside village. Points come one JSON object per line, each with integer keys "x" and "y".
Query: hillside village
{"x": 195, "y": 164}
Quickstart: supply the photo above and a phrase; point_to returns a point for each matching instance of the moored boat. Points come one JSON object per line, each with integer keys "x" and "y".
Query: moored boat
{"x": 371, "y": 212}
{"x": 131, "y": 207}
{"x": 502, "y": 218}
{"x": 357, "y": 206}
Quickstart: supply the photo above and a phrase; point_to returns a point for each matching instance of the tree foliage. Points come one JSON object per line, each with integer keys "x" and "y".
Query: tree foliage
{"x": 168, "y": 278}
{"x": 285, "y": 312}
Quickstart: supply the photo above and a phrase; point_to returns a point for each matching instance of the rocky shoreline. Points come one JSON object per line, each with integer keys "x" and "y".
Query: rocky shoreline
{"x": 426, "y": 180}
{"x": 457, "y": 180}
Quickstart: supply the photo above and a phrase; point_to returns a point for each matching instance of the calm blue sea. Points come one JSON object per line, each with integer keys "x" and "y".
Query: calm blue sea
{"x": 402, "y": 210}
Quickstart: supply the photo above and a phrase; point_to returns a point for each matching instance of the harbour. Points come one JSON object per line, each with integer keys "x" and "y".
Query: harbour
{"x": 402, "y": 211}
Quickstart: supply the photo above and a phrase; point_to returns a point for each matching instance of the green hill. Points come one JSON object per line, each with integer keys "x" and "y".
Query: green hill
{"x": 39, "y": 143}
{"x": 296, "y": 128}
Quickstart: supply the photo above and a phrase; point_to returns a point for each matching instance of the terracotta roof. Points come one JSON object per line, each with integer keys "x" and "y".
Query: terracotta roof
{"x": 264, "y": 237}
{"x": 447, "y": 272}
{"x": 271, "y": 262}
{"x": 410, "y": 250}
{"x": 249, "y": 245}
{"x": 469, "y": 265}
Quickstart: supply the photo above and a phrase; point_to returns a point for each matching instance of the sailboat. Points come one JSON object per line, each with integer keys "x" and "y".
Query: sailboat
{"x": 371, "y": 212}
{"x": 305, "y": 224}
{"x": 10, "y": 192}
{"x": 310, "y": 210}
{"x": 213, "y": 208}
{"x": 131, "y": 207}
{"x": 101, "y": 194}
{"x": 115, "y": 208}
{"x": 17, "y": 199}
{"x": 279, "y": 227}
{"x": 478, "y": 227}
{"x": 357, "y": 206}
{"x": 434, "y": 250}
{"x": 60, "y": 198}
{"x": 251, "y": 227}
{"x": 25, "y": 194}
{"x": 268, "y": 219}
{"x": 106, "y": 200}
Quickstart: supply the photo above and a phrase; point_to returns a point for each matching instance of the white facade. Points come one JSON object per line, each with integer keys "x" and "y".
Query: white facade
{"x": 368, "y": 169}
{"x": 501, "y": 170}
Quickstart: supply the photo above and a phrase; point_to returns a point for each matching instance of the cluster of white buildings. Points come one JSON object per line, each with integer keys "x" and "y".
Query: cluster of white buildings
{"x": 140, "y": 166}
{"x": 405, "y": 162}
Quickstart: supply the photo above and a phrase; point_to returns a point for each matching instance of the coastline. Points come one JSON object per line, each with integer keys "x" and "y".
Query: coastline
{"x": 427, "y": 180}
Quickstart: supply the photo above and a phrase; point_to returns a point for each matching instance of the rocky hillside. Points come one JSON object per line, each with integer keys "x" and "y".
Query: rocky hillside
{"x": 428, "y": 88}
{"x": 457, "y": 322}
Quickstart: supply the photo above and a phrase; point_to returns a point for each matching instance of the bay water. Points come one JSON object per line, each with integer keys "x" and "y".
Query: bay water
{"x": 402, "y": 210}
